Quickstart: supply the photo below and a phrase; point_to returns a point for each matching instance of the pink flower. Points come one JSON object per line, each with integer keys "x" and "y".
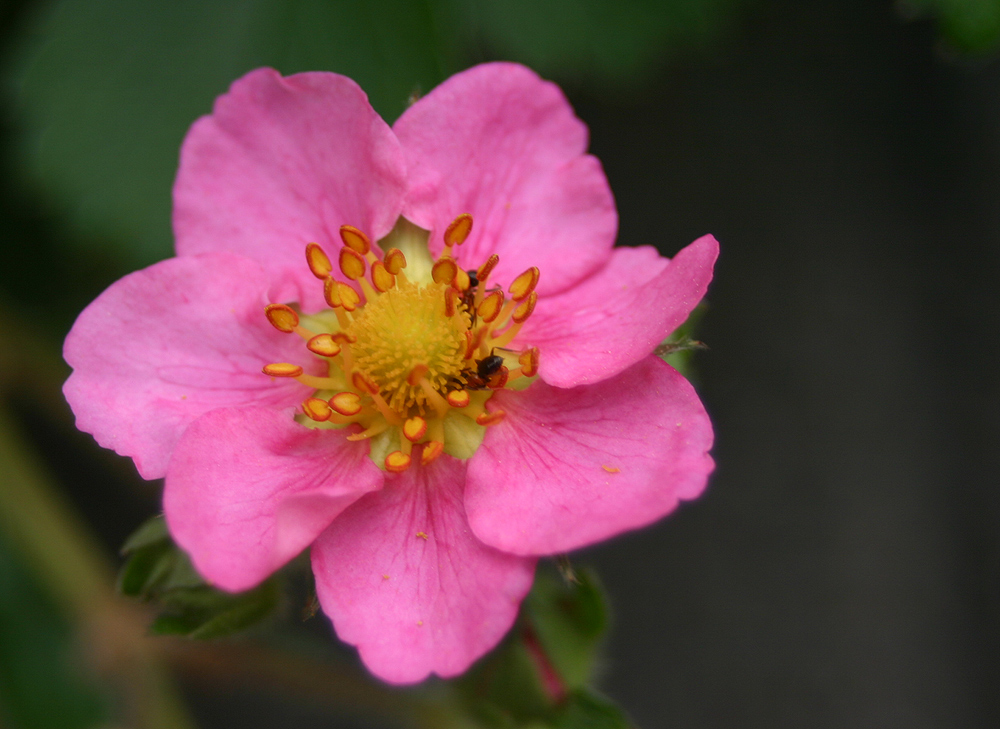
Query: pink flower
{"x": 428, "y": 435}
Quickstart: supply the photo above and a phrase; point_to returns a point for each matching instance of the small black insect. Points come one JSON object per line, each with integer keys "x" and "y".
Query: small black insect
{"x": 487, "y": 369}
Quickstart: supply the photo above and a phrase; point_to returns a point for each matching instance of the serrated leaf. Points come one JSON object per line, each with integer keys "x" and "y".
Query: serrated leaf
{"x": 586, "y": 709}
{"x": 151, "y": 532}
{"x": 570, "y": 620}
{"x": 145, "y": 567}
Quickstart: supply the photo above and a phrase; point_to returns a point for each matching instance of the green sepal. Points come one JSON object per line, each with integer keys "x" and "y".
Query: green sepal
{"x": 586, "y": 709}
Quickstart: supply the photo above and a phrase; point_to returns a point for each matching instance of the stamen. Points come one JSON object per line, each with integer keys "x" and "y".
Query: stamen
{"x": 498, "y": 380}
{"x": 282, "y": 369}
{"x": 450, "y": 301}
{"x": 395, "y": 261}
{"x": 283, "y": 318}
{"x": 346, "y": 403}
{"x": 459, "y": 229}
{"x": 439, "y": 404}
{"x": 382, "y": 280}
{"x": 324, "y": 345}
{"x": 397, "y": 462}
{"x": 318, "y": 410}
{"x": 458, "y": 398}
{"x": 349, "y": 298}
{"x": 444, "y": 271}
{"x": 371, "y": 431}
{"x": 355, "y": 239}
{"x": 352, "y": 263}
{"x": 486, "y": 269}
{"x": 524, "y": 284}
{"x": 432, "y": 449}
{"x": 319, "y": 262}
{"x": 524, "y": 310}
{"x": 491, "y": 418}
{"x": 414, "y": 429}
{"x": 490, "y": 306}
{"x": 529, "y": 362}
{"x": 318, "y": 383}
{"x": 462, "y": 280}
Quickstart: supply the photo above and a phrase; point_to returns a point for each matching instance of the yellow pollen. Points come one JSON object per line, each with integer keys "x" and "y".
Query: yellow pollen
{"x": 405, "y": 328}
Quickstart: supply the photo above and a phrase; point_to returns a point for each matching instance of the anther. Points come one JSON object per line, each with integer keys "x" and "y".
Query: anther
{"x": 484, "y": 271}
{"x": 346, "y": 403}
{"x": 450, "y": 301}
{"x": 348, "y": 297}
{"x": 355, "y": 239}
{"x": 432, "y": 449}
{"x": 416, "y": 375}
{"x": 324, "y": 345}
{"x": 382, "y": 280}
{"x": 397, "y": 462}
{"x": 394, "y": 261}
{"x": 352, "y": 263}
{"x": 282, "y": 317}
{"x": 444, "y": 271}
{"x": 344, "y": 338}
{"x": 459, "y": 229}
{"x": 497, "y": 381}
{"x": 415, "y": 428}
{"x": 522, "y": 286}
{"x": 529, "y": 362}
{"x": 524, "y": 310}
{"x": 282, "y": 369}
{"x": 490, "y": 307}
{"x": 362, "y": 381}
{"x": 458, "y": 398}
{"x": 490, "y": 418}
{"x": 462, "y": 280}
{"x": 318, "y": 261}
{"x": 318, "y": 410}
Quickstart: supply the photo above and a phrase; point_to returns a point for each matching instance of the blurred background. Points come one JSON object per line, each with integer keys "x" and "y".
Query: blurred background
{"x": 843, "y": 568}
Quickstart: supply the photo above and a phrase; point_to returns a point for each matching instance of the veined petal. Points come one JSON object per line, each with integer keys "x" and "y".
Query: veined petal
{"x": 567, "y": 468}
{"x": 498, "y": 142}
{"x": 282, "y": 162}
{"x": 404, "y": 579}
{"x": 166, "y": 344}
{"x": 249, "y": 488}
{"x": 617, "y": 316}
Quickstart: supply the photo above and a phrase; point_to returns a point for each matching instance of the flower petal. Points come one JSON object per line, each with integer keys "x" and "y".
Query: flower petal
{"x": 249, "y": 488}
{"x": 566, "y": 468}
{"x": 498, "y": 142}
{"x": 166, "y": 344}
{"x": 617, "y": 316}
{"x": 282, "y": 162}
{"x": 403, "y": 578}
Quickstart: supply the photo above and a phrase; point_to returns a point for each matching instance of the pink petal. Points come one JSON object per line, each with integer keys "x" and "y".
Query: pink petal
{"x": 404, "y": 579}
{"x": 617, "y": 316}
{"x": 249, "y": 488}
{"x": 498, "y": 142}
{"x": 166, "y": 344}
{"x": 282, "y": 162}
{"x": 567, "y": 468}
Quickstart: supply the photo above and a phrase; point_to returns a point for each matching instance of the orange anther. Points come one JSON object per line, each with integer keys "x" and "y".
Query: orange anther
{"x": 432, "y": 449}
{"x": 331, "y": 293}
{"x": 355, "y": 239}
{"x": 317, "y": 409}
{"x": 490, "y": 418}
{"x": 529, "y": 362}
{"x": 397, "y": 462}
{"x": 450, "y": 301}
{"x": 346, "y": 403}
{"x": 415, "y": 428}
{"x": 490, "y": 307}
{"x": 523, "y": 285}
{"x": 394, "y": 261}
{"x": 364, "y": 382}
{"x": 444, "y": 271}
{"x": 416, "y": 375}
{"x": 344, "y": 338}
{"x": 347, "y": 296}
{"x": 282, "y": 369}
{"x": 319, "y": 262}
{"x": 458, "y": 398}
{"x": 486, "y": 269}
{"x": 352, "y": 263}
{"x": 473, "y": 340}
{"x": 282, "y": 317}
{"x": 498, "y": 380}
{"x": 382, "y": 280}
{"x": 462, "y": 280}
{"x": 527, "y": 306}
{"x": 456, "y": 233}
{"x": 324, "y": 345}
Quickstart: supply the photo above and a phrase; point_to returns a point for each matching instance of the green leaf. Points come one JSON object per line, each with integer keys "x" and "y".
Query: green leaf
{"x": 152, "y": 531}
{"x": 570, "y": 619}
{"x": 585, "y": 709}
{"x": 969, "y": 26}
{"x": 108, "y": 88}
{"x": 205, "y": 613}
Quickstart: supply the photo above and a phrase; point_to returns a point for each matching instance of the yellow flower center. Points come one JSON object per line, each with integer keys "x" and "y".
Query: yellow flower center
{"x": 413, "y": 358}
